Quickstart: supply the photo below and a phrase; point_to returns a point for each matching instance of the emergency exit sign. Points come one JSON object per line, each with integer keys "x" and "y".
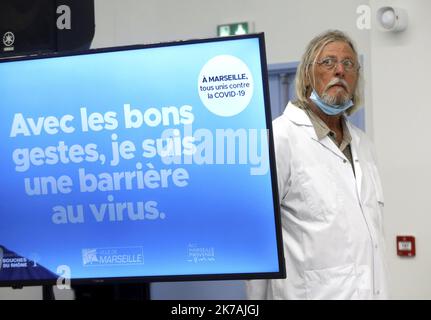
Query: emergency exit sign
{"x": 234, "y": 29}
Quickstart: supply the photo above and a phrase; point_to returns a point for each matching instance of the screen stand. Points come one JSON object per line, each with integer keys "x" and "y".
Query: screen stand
{"x": 48, "y": 293}
{"x": 133, "y": 291}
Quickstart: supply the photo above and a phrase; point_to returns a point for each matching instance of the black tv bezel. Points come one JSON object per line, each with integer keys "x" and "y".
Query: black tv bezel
{"x": 195, "y": 277}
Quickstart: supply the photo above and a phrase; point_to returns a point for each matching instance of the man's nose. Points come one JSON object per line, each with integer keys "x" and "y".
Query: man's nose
{"x": 339, "y": 70}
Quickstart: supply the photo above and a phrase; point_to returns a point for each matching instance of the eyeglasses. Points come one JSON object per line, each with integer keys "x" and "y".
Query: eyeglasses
{"x": 329, "y": 63}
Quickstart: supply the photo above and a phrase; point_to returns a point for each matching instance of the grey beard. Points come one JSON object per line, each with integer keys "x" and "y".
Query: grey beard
{"x": 335, "y": 100}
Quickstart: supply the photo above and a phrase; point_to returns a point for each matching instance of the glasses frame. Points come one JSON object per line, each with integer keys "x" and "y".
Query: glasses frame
{"x": 349, "y": 69}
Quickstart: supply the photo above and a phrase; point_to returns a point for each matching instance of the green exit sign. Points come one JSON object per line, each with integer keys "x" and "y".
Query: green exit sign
{"x": 234, "y": 29}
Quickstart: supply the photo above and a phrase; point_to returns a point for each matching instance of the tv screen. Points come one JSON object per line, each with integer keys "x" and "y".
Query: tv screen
{"x": 146, "y": 163}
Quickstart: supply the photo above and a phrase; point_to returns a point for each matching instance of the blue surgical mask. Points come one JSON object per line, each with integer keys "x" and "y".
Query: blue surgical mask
{"x": 330, "y": 109}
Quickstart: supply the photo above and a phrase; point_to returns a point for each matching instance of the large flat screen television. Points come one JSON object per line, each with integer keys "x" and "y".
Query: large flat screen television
{"x": 140, "y": 163}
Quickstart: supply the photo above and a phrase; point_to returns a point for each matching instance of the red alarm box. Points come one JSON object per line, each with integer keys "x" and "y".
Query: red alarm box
{"x": 406, "y": 246}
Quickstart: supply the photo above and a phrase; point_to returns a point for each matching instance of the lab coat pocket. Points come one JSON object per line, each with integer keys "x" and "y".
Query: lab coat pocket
{"x": 338, "y": 283}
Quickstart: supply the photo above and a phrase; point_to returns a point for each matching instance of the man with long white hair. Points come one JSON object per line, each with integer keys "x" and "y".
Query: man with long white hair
{"x": 330, "y": 193}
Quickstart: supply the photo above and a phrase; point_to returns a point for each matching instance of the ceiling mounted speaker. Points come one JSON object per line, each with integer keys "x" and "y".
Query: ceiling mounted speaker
{"x": 392, "y": 19}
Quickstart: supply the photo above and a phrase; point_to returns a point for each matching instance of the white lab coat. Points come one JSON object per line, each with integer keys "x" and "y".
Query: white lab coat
{"x": 331, "y": 219}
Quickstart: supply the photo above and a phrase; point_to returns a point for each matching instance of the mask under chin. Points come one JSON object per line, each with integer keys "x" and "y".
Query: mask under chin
{"x": 329, "y": 108}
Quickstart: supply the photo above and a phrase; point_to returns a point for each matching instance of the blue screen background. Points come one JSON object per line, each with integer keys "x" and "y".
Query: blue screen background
{"x": 223, "y": 208}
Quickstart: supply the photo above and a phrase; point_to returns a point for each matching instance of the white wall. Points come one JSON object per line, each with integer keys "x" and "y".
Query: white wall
{"x": 288, "y": 24}
{"x": 401, "y": 69}
{"x": 28, "y": 293}
{"x": 33, "y": 293}
{"x": 395, "y": 96}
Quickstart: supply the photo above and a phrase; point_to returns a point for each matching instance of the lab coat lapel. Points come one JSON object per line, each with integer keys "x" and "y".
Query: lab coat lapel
{"x": 299, "y": 117}
{"x": 354, "y": 146}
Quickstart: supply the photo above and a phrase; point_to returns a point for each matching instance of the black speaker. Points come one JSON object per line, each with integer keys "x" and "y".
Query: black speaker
{"x": 39, "y": 26}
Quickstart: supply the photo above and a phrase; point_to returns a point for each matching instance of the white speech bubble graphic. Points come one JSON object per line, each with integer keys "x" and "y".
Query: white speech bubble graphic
{"x": 225, "y": 85}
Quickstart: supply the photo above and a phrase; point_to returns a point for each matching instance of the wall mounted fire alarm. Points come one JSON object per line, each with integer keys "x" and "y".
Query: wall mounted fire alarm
{"x": 406, "y": 246}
